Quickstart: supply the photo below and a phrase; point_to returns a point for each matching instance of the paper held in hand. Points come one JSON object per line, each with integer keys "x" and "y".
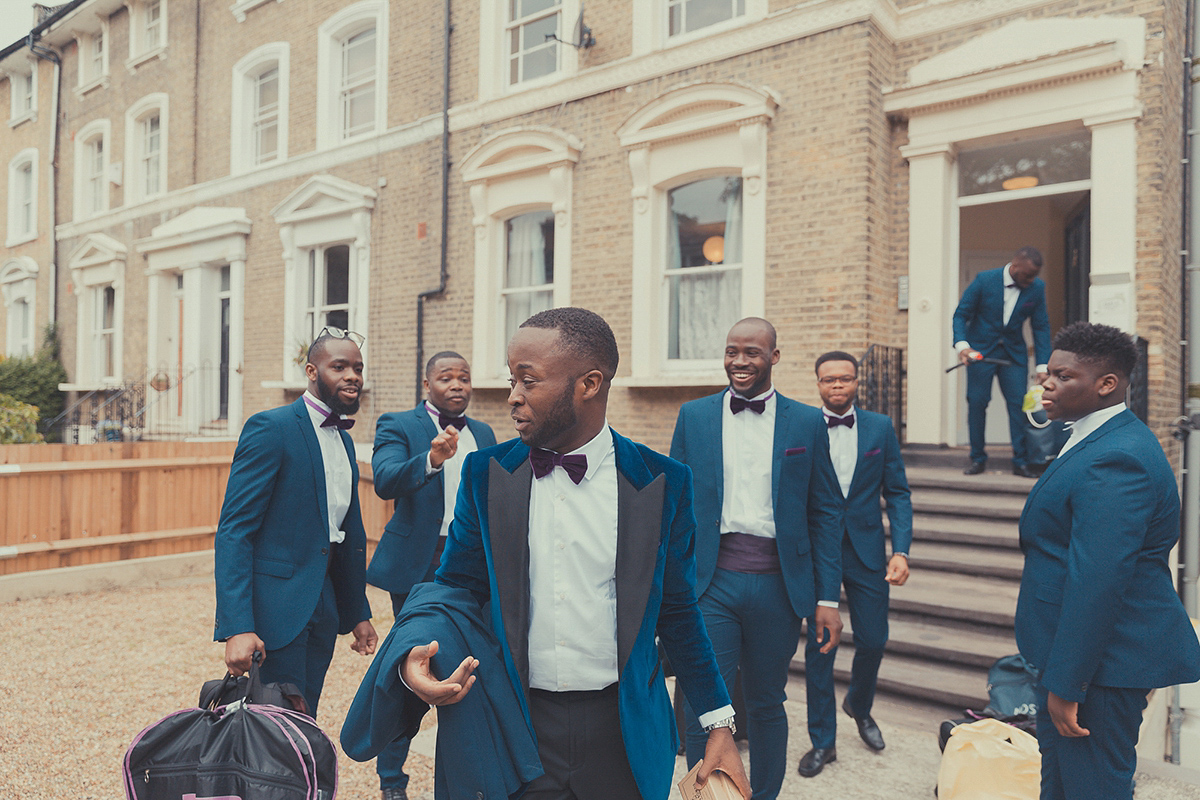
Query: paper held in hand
{"x": 719, "y": 787}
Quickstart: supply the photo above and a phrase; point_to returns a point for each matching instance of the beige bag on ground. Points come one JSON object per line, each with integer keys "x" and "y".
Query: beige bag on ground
{"x": 989, "y": 760}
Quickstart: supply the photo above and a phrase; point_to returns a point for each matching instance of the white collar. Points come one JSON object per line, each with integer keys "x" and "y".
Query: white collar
{"x": 1088, "y": 423}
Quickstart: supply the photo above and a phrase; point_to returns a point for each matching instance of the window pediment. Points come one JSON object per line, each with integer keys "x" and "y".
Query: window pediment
{"x": 697, "y": 108}
{"x": 516, "y": 150}
{"x": 18, "y": 269}
{"x": 96, "y": 250}
{"x": 323, "y": 196}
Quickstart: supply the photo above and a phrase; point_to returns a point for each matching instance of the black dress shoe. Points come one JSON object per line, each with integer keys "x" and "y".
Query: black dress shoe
{"x": 867, "y": 728}
{"x": 815, "y": 760}
{"x": 976, "y": 468}
{"x": 1024, "y": 471}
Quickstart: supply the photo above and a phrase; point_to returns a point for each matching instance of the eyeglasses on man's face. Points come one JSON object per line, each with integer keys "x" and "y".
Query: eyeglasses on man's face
{"x": 830, "y": 380}
{"x": 338, "y": 333}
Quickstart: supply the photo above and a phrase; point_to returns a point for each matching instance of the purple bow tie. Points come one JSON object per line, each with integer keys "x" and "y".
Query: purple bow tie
{"x": 833, "y": 422}
{"x": 738, "y": 404}
{"x": 445, "y": 420}
{"x": 331, "y": 420}
{"x": 544, "y": 462}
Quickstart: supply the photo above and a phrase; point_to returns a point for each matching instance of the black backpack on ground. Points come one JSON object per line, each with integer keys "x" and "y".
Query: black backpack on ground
{"x": 245, "y": 748}
{"x": 1011, "y": 698}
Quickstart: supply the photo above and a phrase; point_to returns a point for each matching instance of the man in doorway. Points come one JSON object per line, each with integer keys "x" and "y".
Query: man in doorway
{"x": 290, "y": 561}
{"x": 988, "y": 328}
{"x": 1098, "y": 616}
{"x": 768, "y": 538}
{"x": 866, "y": 457}
{"x": 417, "y": 462}
{"x": 581, "y": 540}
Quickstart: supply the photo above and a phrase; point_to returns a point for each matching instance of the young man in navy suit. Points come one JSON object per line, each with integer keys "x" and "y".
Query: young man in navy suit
{"x": 768, "y": 538}
{"x": 1098, "y": 616}
{"x": 417, "y": 462}
{"x": 987, "y": 324}
{"x": 581, "y": 540}
{"x": 866, "y": 457}
{"x": 290, "y": 563}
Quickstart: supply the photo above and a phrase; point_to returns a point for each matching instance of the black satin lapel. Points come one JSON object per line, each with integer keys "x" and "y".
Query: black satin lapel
{"x": 639, "y": 530}
{"x": 508, "y": 532}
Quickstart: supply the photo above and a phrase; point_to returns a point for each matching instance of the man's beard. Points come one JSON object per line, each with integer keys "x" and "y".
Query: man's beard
{"x": 561, "y": 417}
{"x": 329, "y": 397}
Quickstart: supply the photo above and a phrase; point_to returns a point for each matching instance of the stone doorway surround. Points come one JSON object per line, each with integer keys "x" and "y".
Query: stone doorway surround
{"x": 1023, "y": 80}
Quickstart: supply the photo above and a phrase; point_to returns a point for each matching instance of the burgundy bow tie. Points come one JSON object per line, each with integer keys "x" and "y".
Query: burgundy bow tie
{"x": 833, "y": 422}
{"x": 544, "y": 462}
{"x": 446, "y": 420}
{"x": 334, "y": 421}
{"x": 739, "y": 404}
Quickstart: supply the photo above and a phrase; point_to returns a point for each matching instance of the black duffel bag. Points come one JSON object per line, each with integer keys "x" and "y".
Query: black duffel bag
{"x": 246, "y": 748}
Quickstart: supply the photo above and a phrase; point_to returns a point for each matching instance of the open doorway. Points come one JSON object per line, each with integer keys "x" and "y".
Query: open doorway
{"x": 989, "y": 232}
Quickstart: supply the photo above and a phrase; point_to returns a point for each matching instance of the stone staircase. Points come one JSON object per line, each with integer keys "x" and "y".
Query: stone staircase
{"x": 954, "y": 617}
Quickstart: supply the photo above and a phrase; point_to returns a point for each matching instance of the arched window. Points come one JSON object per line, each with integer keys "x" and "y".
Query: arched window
{"x": 259, "y": 132}
{"x": 146, "y": 136}
{"x": 22, "y": 197}
{"x": 352, "y": 74}
{"x": 91, "y": 169}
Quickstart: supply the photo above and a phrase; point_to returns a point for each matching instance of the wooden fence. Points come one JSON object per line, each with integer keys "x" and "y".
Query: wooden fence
{"x": 67, "y": 505}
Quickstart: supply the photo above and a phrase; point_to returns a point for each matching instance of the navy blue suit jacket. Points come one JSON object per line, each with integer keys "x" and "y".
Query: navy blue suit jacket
{"x": 878, "y": 471}
{"x": 405, "y": 552}
{"x": 488, "y": 554}
{"x": 979, "y": 319}
{"x": 807, "y": 499}
{"x": 272, "y": 542}
{"x": 1097, "y": 603}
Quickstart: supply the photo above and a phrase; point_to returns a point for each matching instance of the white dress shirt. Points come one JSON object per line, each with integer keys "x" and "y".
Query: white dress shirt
{"x": 339, "y": 476}
{"x": 451, "y": 468}
{"x": 747, "y": 448}
{"x": 1088, "y": 423}
{"x": 843, "y": 448}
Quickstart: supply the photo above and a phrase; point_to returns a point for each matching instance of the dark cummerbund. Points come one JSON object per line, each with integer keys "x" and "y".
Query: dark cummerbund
{"x": 744, "y": 552}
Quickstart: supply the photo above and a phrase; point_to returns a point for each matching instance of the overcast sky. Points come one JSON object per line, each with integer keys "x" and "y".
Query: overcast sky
{"x": 16, "y": 18}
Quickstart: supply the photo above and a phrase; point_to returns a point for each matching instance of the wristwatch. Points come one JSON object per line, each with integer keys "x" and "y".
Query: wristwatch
{"x": 722, "y": 723}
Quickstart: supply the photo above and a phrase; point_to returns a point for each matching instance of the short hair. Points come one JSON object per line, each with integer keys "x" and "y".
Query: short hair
{"x": 1110, "y": 348}
{"x": 584, "y": 333}
{"x": 317, "y": 347}
{"x": 836, "y": 355}
{"x": 438, "y": 357}
{"x": 1030, "y": 254}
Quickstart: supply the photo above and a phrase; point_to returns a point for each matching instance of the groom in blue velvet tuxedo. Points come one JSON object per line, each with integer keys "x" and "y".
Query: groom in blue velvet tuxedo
{"x": 866, "y": 457}
{"x": 1098, "y": 616}
{"x": 582, "y": 542}
{"x": 988, "y": 324}
{"x": 290, "y": 562}
{"x": 768, "y": 538}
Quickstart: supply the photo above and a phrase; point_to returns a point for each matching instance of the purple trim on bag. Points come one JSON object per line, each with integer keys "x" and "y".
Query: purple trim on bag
{"x": 310, "y": 790}
{"x": 129, "y": 789}
{"x": 291, "y": 714}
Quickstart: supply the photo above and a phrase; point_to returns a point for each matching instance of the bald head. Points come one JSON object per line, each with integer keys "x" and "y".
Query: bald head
{"x": 755, "y": 325}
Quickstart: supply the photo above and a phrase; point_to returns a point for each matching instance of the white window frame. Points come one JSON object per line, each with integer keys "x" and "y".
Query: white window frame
{"x": 509, "y": 173}
{"x": 651, "y": 25}
{"x": 18, "y": 231}
{"x": 240, "y": 7}
{"x": 18, "y": 284}
{"x": 97, "y": 129}
{"x": 141, "y": 49}
{"x": 692, "y": 132}
{"x": 91, "y": 75}
{"x": 23, "y": 94}
{"x": 331, "y": 35}
{"x": 97, "y": 262}
{"x": 494, "y": 51}
{"x": 136, "y": 119}
{"x": 242, "y": 154}
{"x": 324, "y": 211}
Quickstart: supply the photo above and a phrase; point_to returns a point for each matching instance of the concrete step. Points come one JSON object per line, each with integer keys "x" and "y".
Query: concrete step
{"x": 949, "y": 502}
{"x": 946, "y": 685}
{"x": 937, "y": 596}
{"x": 920, "y": 638}
{"x": 988, "y": 482}
{"x": 957, "y": 458}
{"x": 961, "y": 530}
{"x": 968, "y": 559}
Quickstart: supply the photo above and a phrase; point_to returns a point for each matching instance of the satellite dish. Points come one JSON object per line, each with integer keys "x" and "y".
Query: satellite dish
{"x": 581, "y": 35}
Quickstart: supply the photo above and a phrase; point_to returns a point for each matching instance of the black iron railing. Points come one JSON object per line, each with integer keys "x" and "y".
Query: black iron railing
{"x": 881, "y": 384}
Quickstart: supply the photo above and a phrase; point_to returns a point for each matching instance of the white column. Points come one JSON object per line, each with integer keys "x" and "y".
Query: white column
{"x": 193, "y": 354}
{"x": 933, "y": 289}
{"x": 237, "y": 341}
{"x": 1111, "y": 297}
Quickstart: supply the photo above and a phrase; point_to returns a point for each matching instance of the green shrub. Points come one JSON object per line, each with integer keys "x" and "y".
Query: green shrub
{"x": 18, "y": 421}
{"x": 35, "y": 380}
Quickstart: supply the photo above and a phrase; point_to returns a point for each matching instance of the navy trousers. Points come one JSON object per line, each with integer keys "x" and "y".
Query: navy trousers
{"x": 979, "y": 393}
{"x": 1099, "y": 765}
{"x": 305, "y": 660}
{"x": 752, "y": 627}
{"x": 867, "y": 599}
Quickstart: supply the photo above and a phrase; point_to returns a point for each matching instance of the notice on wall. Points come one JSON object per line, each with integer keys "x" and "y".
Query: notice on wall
{"x": 1112, "y": 304}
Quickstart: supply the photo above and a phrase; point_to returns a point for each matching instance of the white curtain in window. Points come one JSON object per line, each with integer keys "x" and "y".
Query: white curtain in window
{"x": 704, "y": 307}
{"x": 526, "y": 266}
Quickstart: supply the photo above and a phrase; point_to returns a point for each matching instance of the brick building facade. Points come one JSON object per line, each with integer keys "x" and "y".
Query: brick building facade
{"x": 230, "y": 175}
